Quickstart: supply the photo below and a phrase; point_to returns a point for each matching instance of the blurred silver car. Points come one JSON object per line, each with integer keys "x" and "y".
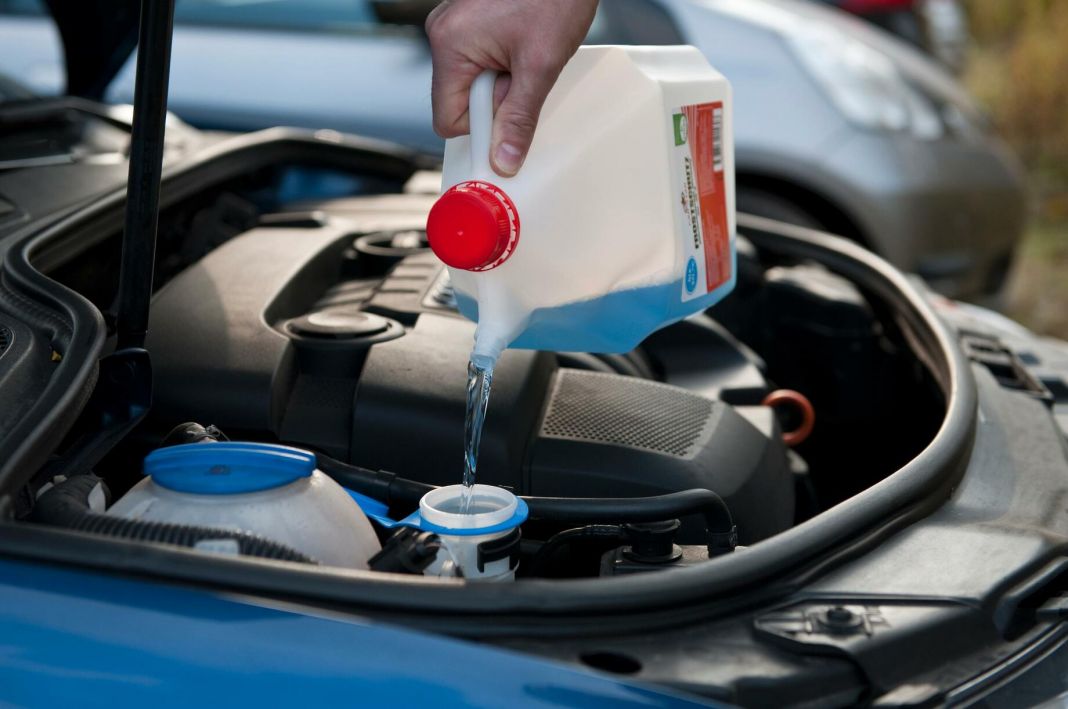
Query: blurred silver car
{"x": 838, "y": 125}
{"x": 938, "y": 26}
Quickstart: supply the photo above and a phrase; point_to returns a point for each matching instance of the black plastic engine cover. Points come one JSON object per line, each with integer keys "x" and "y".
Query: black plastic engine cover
{"x": 603, "y": 435}
{"x": 409, "y": 408}
{"x": 278, "y": 335}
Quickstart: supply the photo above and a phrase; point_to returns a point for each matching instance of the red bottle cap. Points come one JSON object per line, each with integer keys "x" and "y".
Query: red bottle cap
{"x": 473, "y": 226}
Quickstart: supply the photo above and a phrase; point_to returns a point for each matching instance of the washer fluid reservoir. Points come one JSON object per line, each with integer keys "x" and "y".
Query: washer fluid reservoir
{"x": 270, "y": 490}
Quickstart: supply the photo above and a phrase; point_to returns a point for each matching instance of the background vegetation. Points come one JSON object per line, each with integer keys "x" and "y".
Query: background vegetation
{"x": 1018, "y": 69}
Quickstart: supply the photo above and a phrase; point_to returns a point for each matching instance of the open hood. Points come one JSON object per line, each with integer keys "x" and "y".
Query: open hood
{"x": 98, "y": 36}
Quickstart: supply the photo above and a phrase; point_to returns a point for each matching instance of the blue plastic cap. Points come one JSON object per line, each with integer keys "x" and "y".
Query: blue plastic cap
{"x": 227, "y": 468}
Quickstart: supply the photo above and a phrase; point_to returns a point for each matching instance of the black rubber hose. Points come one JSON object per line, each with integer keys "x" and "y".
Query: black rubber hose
{"x": 722, "y": 533}
{"x": 67, "y": 505}
{"x": 380, "y": 485}
{"x": 185, "y": 536}
{"x": 603, "y": 532}
{"x": 192, "y": 432}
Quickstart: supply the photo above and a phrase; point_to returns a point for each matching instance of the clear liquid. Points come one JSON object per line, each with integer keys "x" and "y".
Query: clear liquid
{"x": 479, "y": 383}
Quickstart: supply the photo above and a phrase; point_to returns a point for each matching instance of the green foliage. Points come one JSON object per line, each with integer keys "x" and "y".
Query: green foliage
{"x": 1019, "y": 71}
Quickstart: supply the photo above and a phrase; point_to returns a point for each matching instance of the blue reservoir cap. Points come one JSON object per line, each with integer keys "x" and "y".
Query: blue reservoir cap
{"x": 227, "y": 468}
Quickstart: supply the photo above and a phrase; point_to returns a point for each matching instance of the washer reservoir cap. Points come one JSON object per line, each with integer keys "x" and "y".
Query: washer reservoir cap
{"x": 227, "y": 468}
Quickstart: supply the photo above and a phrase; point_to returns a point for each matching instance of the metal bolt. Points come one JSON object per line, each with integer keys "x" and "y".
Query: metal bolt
{"x": 840, "y": 619}
{"x": 840, "y": 614}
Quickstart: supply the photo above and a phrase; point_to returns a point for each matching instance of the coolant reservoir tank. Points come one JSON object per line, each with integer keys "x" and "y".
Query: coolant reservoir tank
{"x": 270, "y": 490}
{"x": 621, "y": 220}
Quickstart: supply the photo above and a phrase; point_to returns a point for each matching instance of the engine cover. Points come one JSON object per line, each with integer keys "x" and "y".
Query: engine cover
{"x": 603, "y": 435}
{"x": 304, "y": 334}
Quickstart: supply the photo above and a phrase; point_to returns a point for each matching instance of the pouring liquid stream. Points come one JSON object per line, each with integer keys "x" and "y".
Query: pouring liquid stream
{"x": 479, "y": 383}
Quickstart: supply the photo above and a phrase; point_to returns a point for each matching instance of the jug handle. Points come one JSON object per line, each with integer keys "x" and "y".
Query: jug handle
{"x": 480, "y": 116}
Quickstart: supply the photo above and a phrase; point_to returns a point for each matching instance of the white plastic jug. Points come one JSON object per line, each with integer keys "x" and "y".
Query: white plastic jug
{"x": 269, "y": 490}
{"x": 621, "y": 220}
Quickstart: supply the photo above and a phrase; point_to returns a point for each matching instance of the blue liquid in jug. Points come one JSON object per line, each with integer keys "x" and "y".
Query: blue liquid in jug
{"x": 612, "y": 323}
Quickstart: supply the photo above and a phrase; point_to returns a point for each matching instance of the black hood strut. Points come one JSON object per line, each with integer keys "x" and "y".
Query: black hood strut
{"x": 146, "y": 167}
{"x": 123, "y": 393}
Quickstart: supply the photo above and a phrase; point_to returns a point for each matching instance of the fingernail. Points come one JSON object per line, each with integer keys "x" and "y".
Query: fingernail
{"x": 508, "y": 158}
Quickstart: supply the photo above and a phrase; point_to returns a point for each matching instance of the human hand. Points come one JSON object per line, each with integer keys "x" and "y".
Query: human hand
{"x": 529, "y": 41}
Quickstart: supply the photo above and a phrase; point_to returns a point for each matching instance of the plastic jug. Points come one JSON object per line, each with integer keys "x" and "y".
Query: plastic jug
{"x": 270, "y": 490}
{"x": 621, "y": 220}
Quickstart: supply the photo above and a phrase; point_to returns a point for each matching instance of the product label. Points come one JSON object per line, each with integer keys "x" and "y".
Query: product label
{"x": 700, "y": 183}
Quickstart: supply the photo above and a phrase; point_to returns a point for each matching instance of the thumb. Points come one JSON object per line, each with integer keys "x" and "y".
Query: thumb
{"x": 517, "y": 117}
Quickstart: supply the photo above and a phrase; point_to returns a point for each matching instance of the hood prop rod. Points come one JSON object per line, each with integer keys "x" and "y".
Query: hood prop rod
{"x": 123, "y": 393}
{"x": 146, "y": 168}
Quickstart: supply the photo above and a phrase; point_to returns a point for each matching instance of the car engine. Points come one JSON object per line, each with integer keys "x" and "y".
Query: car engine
{"x": 327, "y": 325}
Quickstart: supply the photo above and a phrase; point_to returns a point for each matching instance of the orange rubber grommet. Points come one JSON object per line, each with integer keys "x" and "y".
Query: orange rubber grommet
{"x": 780, "y": 397}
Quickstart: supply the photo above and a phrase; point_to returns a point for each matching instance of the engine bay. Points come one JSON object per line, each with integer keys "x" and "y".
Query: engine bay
{"x": 833, "y": 488}
{"x": 325, "y": 324}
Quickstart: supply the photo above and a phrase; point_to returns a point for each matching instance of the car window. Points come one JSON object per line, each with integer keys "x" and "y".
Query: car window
{"x": 30, "y": 49}
{"x": 319, "y": 15}
{"x": 633, "y": 22}
{"x": 31, "y": 8}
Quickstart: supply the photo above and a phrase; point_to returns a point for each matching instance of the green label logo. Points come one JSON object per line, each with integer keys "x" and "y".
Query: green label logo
{"x": 679, "y": 120}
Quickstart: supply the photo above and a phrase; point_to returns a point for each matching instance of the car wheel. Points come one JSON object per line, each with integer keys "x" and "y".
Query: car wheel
{"x": 767, "y": 204}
